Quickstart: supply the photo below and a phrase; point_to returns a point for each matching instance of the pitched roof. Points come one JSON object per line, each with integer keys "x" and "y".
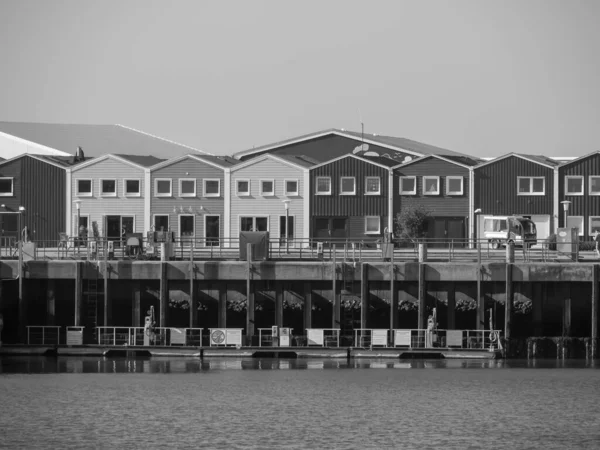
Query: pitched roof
{"x": 541, "y": 159}
{"x": 536, "y": 159}
{"x": 223, "y": 161}
{"x": 96, "y": 140}
{"x": 301, "y": 160}
{"x": 146, "y": 161}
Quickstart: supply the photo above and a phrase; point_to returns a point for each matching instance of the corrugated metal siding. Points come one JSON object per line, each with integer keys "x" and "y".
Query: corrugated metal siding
{"x": 324, "y": 148}
{"x": 349, "y": 205}
{"x": 356, "y": 228}
{"x": 189, "y": 168}
{"x": 440, "y": 205}
{"x": 273, "y": 207}
{"x": 44, "y": 198}
{"x": 581, "y": 205}
{"x": 97, "y": 207}
{"x": 13, "y": 170}
{"x": 496, "y": 188}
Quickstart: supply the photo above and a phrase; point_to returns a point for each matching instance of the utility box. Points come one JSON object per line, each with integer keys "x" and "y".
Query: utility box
{"x": 28, "y": 251}
{"x": 567, "y": 242}
{"x": 260, "y": 245}
{"x": 284, "y": 337}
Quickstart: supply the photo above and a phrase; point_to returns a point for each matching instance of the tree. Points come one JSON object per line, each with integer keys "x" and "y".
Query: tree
{"x": 411, "y": 223}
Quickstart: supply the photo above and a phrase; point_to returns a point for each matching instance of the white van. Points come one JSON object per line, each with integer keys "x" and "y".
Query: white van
{"x": 500, "y": 230}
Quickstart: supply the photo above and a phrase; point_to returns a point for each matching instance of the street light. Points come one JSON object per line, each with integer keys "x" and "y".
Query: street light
{"x": 286, "y": 204}
{"x": 476, "y": 238}
{"x": 78, "y": 206}
{"x": 566, "y": 204}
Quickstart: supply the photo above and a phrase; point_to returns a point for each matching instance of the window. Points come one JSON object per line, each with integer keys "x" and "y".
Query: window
{"x": 6, "y": 187}
{"x": 243, "y": 187}
{"x": 323, "y": 186}
{"x": 594, "y": 183}
{"x": 431, "y": 185}
{"x": 267, "y": 187}
{"x": 574, "y": 185}
{"x": 408, "y": 185}
{"x": 283, "y": 222}
{"x": 84, "y": 188}
{"x": 132, "y": 188}
{"x": 454, "y": 185}
{"x": 162, "y": 187}
{"x": 347, "y": 186}
{"x": 161, "y": 222}
{"x": 594, "y": 225}
{"x": 291, "y": 187}
{"x": 212, "y": 188}
{"x": 108, "y": 188}
{"x": 251, "y": 223}
{"x": 372, "y": 225}
{"x": 575, "y": 222}
{"x": 372, "y": 186}
{"x": 187, "y": 187}
{"x": 531, "y": 185}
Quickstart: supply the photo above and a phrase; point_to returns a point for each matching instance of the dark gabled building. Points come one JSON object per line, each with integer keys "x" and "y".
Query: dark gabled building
{"x": 518, "y": 184}
{"x": 579, "y": 184}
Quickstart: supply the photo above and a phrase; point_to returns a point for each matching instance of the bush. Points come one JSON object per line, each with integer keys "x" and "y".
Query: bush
{"x": 551, "y": 242}
{"x": 587, "y": 246}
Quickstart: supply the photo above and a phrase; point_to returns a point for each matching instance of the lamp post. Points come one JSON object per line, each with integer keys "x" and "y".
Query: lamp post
{"x": 566, "y": 204}
{"x": 476, "y": 217}
{"x": 286, "y": 204}
{"x": 78, "y": 207}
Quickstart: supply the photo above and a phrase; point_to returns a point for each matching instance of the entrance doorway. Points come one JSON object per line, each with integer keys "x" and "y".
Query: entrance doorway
{"x": 443, "y": 231}
{"x": 330, "y": 228}
{"x": 212, "y": 230}
{"x": 186, "y": 230}
{"x": 116, "y": 228}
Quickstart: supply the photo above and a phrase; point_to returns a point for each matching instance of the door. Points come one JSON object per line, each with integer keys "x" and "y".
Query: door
{"x": 9, "y": 227}
{"x": 456, "y": 231}
{"x": 286, "y": 230}
{"x": 186, "y": 230}
{"x": 212, "y": 227}
{"x": 441, "y": 231}
{"x": 330, "y": 228}
{"x": 112, "y": 228}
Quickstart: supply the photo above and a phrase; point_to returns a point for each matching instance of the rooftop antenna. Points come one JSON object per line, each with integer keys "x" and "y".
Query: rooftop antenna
{"x": 362, "y": 131}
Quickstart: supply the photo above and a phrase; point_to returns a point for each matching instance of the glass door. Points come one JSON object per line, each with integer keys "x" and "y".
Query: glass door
{"x": 186, "y": 230}
{"x": 212, "y": 229}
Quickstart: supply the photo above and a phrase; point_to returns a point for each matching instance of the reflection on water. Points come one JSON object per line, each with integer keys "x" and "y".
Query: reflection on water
{"x": 297, "y": 403}
{"x": 39, "y": 364}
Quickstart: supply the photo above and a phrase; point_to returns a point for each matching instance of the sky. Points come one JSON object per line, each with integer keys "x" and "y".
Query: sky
{"x": 475, "y": 76}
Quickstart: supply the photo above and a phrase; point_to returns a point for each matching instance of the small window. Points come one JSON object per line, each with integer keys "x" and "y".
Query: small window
{"x": 187, "y": 187}
{"x": 291, "y": 187}
{"x": 574, "y": 185}
{"x": 84, "y": 188}
{"x": 372, "y": 225}
{"x": 162, "y": 187}
{"x": 372, "y": 186}
{"x": 132, "y": 188}
{"x": 6, "y": 187}
{"x": 347, "y": 186}
{"x": 594, "y": 185}
{"x": 594, "y": 225}
{"x": 431, "y": 185}
{"x": 408, "y": 185}
{"x": 212, "y": 188}
{"x": 576, "y": 222}
{"x": 323, "y": 186}
{"x": 267, "y": 187}
{"x": 108, "y": 188}
{"x": 531, "y": 185}
{"x": 454, "y": 185}
{"x": 243, "y": 187}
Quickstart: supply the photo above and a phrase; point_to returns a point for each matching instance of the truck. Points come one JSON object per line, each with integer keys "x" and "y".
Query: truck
{"x": 502, "y": 230}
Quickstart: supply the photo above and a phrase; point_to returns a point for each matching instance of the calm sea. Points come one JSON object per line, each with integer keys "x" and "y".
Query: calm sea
{"x": 295, "y": 404}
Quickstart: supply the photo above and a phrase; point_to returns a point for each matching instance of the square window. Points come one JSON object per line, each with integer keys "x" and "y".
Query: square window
{"x": 162, "y": 187}
{"x": 267, "y": 187}
{"x": 372, "y": 186}
{"x": 594, "y": 225}
{"x": 243, "y": 187}
{"x": 574, "y": 185}
{"x": 372, "y": 225}
{"x": 132, "y": 188}
{"x": 431, "y": 185}
{"x": 6, "y": 187}
{"x": 291, "y": 187}
{"x": 108, "y": 188}
{"x": 538, "y": 185}
{"x": 187, "y": 187}
{"x": 594, "y": 185}
{"x": 347, "y": 186}
{"x": 454, "y": 185}
{"x": 524, "y": 185}
{"x": 408, "y": 185}
{"x": 212, "y": 188}
{"x": 84, "y": 188}
{"x": 530, "y": 185}
{"x": 323, "y": 186}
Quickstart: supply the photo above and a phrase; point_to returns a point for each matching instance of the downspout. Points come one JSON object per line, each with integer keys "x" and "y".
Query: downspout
{"x": 554, "y": 227}
{"x": 471, "y": 206}
{"x": 391, "y": 201}
{"x": 227, "y": 207}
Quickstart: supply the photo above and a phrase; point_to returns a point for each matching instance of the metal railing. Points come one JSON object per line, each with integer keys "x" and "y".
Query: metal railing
{"x": 463, "y": 339}
{"x": 43, "y": 335}
{"x": 135, "y": 336}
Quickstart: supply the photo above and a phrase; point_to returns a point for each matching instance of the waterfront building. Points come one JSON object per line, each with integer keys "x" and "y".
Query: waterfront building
{"x": 188, "y": 196}
{"x": 271, "y": 193}
{"x": 444, "y": 186}
{"x": 579, "y": 184}
{"x": 517, "y": 184}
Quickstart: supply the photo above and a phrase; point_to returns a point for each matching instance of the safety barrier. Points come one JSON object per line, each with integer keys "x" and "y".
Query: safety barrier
{"x": 324, "y": 337}
{"x": 370, "y": 337}
{"x": 161, "y": 336}
{"x": 275, "y": 336}
{"x": 226, "y": 337}
{"x": 464, "y": 339}
{"x": 43, "y": 335}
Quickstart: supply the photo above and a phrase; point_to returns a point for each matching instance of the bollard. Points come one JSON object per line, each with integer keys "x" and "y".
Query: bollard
{"x": 422, "y": 252}
{"x": 510, "y": 252}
